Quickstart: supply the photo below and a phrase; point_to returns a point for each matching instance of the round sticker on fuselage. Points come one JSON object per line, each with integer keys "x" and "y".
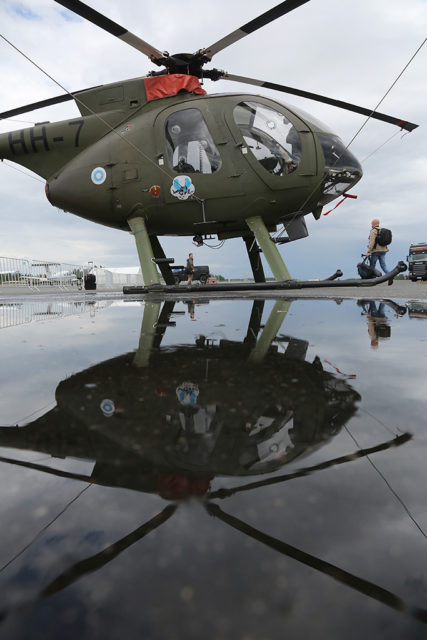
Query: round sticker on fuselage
{"x": 98, "y": 175}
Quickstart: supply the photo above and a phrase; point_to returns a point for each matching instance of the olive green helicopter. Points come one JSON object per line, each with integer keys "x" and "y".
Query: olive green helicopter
{"x": 157, "y": 156}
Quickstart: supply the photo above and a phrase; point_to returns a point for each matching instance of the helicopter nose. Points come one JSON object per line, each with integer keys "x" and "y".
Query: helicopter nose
{"x": 337, "y": 156}
{"x": 342, "y": 169}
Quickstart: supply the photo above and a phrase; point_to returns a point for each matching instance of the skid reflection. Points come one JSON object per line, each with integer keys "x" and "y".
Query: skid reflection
{"x": 167, "y": 421}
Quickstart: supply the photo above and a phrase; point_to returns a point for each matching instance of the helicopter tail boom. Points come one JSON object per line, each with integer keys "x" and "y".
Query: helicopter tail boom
{"x": 46, "y": 147}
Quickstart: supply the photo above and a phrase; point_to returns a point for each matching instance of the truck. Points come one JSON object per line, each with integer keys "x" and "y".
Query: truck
{"x": 417, "y": 309}
{"x": 201, "y": 273}
{"x": 417, "y": 261}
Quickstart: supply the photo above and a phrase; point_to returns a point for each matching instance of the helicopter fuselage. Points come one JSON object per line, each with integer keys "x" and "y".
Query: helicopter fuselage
{"x": 187, "y": 163}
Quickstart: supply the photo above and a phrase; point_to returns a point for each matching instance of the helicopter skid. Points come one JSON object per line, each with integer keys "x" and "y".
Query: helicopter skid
{"x": 273, "y": 285}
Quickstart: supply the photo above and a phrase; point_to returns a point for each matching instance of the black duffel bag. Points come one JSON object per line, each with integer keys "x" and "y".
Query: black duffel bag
{"x": 365, "y": 270}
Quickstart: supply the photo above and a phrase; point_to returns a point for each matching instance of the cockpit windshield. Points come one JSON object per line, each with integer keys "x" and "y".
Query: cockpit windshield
{"x": 270, "y": 136}
{"x": 342, "y": 169}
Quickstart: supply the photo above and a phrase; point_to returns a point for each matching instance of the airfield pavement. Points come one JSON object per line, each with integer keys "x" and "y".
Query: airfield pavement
{"x": 399, "y": 290}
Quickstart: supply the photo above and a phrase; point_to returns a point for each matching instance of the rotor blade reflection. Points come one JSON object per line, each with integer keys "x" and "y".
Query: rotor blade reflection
{"x": 402, "y": 124}
{"x": 48, "y": 470}
{"x": 97, "y": 561}
{"x": 340, "y": 575}
{"x": 253, "y": 25}
{"x": 226, "y": 493}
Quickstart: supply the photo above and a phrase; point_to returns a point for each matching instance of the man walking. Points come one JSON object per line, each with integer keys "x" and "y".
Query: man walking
{"x": 190, "y": 268}
{"x": 376, "y": 252}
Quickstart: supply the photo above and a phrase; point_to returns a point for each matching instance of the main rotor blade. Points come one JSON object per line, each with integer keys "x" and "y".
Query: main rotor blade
{"x": 115, "y": 29}
{"x": 41, "y": 103}
{"x": 35, "y": 105}
{"x": 253, "y": 25}
{"x": 403, "y": 124}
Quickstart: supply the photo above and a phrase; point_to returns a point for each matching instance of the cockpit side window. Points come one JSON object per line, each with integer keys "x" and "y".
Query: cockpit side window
{"x": 270, "y": 136}
{"x": 190, "y": 146}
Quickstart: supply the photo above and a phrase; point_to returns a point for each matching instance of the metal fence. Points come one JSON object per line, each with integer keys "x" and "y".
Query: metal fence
{"x": 13, "y": 314}
{"x": 39, "y": 274}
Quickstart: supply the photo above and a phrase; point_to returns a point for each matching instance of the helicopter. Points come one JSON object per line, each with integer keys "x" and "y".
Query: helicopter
{"x": 158, "y": 156}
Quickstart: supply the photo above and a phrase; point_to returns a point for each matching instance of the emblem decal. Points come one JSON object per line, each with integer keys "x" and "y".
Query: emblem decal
{"x": 98, "y": 175}
{"x": 154, "y": 190}
{"x": 182, "y": 187}
{"x": 187, "y": 393}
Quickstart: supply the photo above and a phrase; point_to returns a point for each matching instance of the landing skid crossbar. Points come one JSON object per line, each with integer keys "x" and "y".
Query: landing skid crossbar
{"x": 332, "y": 281}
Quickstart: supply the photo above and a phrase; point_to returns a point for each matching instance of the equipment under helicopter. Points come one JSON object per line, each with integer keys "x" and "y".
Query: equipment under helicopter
{"x": 157, "y": 156}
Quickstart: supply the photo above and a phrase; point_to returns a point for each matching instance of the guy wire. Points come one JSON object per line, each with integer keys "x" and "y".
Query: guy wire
{"x": 11, "y": 166}
{"x": 364, "y": 124}
{"x": 44, "y": 528}
{"x": 382, "y": 476}
{"x": 137, "y": 149}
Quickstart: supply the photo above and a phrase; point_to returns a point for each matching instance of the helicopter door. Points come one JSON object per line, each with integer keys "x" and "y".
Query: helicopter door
{"x": 193, "y": 157}
{"x": 276, "y": 148}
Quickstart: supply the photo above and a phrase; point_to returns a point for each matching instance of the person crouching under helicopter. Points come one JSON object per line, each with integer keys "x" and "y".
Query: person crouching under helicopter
{"x": 189, "y": 270}
{"x": 375, "y": 251}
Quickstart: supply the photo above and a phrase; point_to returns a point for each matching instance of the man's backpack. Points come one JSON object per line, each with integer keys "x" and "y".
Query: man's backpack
{"x": 384, "y": 237}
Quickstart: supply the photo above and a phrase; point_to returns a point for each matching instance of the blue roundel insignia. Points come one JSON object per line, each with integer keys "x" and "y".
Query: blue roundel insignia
{"x": 98, "y": 175}
{"x": 107, "y": 407}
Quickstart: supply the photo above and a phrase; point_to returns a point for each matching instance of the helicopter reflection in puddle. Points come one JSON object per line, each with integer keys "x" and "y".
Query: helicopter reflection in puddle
{"x": 168, "y": 420}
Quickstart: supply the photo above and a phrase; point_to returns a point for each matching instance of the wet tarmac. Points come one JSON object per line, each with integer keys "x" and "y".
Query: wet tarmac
{"x": 245, "y": 467}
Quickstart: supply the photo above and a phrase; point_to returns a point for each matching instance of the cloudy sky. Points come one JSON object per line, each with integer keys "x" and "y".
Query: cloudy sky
{"x": 346, "y": 50}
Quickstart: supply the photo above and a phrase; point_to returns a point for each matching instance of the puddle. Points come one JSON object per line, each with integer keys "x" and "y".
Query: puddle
{"x": 246, "y": 469}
